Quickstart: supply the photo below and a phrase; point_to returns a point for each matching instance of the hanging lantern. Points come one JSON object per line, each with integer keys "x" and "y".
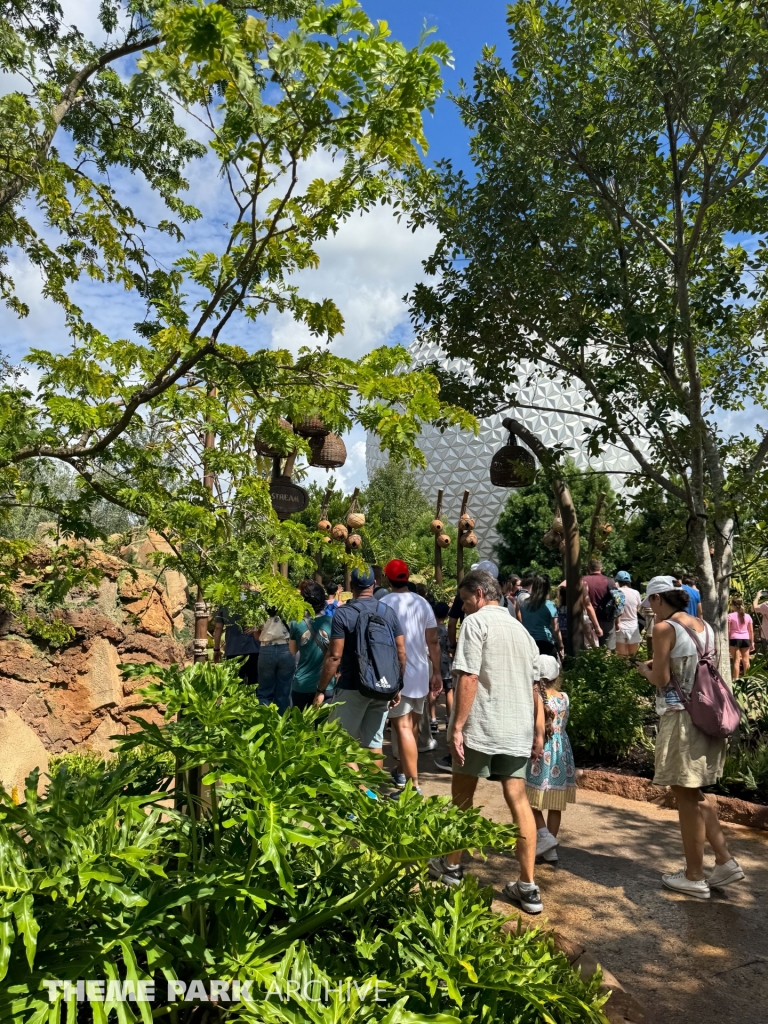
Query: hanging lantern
{"x": 512, "y": 465}
{"x": 436, "y": 526}
{"x": 468, "y": 540}
{"x": 310, "y": 426}
{"x": 263, "y": 447}
{"x": 328, "y": 452}
{"x": 339, "y": 532}
{"x": 443, "y": 540}
{"x": 355, "y": 542}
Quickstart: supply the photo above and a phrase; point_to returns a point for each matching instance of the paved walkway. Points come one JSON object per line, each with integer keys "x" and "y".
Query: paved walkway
{"x": 686, "y": 961}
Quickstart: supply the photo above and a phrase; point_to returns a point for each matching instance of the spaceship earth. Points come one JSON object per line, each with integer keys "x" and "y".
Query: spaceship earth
{"x": 459, "y": 460}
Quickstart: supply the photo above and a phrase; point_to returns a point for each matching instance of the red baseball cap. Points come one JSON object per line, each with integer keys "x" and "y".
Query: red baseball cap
{"x": 397, "y": 571}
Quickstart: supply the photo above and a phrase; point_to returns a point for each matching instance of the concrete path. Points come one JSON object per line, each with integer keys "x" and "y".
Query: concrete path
{"x": 686, "y": 961}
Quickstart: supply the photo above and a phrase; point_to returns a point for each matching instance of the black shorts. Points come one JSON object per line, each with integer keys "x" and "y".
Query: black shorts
{"x": 741, "y": 644}
{"x": 447, "y": 683}
{"x": 546, "y": 647}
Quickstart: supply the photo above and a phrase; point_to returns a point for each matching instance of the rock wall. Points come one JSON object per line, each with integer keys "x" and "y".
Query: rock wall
{"x": 56, "y": 700}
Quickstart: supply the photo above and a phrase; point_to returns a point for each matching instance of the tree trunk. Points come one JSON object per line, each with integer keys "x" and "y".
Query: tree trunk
{"x": 573, "y": 592}
{"x": 714, "y": 569}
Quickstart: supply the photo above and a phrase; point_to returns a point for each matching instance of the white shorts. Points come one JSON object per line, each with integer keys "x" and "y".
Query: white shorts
{"x": 628, "y": 636}
{"x": 406, "y": 705}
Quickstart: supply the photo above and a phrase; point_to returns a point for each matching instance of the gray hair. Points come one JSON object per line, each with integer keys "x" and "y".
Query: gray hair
{"x": 478, "y": 579}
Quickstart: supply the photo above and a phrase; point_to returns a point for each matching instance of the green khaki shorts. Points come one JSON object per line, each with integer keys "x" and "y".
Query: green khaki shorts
{"x": 491, "y": 766}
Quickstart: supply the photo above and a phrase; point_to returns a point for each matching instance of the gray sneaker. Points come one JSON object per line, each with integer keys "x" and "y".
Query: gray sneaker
{"x": 442, "y": 871}
{"x": 528, "y": 900}
{"x": 398, "y": 779}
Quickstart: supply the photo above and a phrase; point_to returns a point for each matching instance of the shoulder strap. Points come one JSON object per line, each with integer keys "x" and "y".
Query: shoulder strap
{"x": 703, "y": 648}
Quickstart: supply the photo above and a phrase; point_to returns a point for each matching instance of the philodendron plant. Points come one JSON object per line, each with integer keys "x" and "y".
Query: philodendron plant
{"x": 290, "y": 893}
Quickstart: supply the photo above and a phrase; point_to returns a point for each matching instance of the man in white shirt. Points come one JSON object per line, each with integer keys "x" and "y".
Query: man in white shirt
{"x": 421, "y": 647}
{"x": 496, "y": 725}
{"x": 627, "y": 626}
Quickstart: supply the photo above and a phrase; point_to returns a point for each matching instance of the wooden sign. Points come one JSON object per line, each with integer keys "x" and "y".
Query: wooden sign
{"x": 287, "y": 497}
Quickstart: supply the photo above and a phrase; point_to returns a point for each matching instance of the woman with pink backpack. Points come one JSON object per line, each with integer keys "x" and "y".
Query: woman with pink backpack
{"x": 689, "y": 690}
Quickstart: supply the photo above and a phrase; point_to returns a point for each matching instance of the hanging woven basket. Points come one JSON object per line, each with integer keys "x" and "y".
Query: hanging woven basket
{"x": 339, "y": 532}
{"x": 355, "y": 520}
{"x": 443, "y": 540}
{"x": 436, "y": 526}
{"x": 468, "y": 540}
{"x": 310, "y": 426}
{"x": 512, "y": 466}
{"x": 324, "y": 526}
{"x": 263, "y": 447}
{"x": 328, "y": 452}
{"x": 466, "y": 523}
{"x": 354, "y": 542}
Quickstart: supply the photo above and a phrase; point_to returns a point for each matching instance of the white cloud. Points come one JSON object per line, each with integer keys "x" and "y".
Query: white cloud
{"x": 366, "y": 269}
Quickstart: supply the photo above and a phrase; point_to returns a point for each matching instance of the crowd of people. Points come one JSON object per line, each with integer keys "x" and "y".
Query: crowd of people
{"x": 386, "y": 655}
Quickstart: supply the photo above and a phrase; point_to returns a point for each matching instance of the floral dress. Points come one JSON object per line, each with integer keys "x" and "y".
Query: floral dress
{"x": 551, "y": 781}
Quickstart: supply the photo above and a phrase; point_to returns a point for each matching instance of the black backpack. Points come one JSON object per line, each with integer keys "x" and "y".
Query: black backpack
{"x": 607, "y": 607}
{"x": 379, "y": 665}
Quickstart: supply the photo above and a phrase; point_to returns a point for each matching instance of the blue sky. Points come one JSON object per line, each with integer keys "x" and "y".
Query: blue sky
{"x": 367, "y": 268}
{"x": 466, "y": 28}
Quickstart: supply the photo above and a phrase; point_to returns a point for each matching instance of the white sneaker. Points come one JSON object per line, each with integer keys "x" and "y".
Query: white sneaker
{"x": 725, "y": 874}
{"x": 680, "y": 882}
{"x": 550, "y": 856}
{"x": 432, "y": 745}
{"x": 545, "y": 841}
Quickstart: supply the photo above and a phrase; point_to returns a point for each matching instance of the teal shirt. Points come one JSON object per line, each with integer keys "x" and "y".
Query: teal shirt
{"x": 311, "y": 656}
{"x": 539, "y": 622}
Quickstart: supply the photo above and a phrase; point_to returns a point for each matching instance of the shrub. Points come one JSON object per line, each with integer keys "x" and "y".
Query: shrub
{"x": 745, "y": 772}
{"x": 609, "y": 702}
{"x": 286, "y": 871}
{"x": 751, "y": 691}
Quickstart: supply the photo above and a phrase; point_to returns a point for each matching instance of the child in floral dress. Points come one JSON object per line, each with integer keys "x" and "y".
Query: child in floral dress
{"x": 551, "y": 780}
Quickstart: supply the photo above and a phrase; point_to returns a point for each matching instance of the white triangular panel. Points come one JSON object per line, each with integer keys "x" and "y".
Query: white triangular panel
{"x": 457, "y": 459}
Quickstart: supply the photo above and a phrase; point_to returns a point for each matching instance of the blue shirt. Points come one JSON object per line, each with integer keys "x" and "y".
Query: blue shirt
{"x": 694, "y": 599}
{"x": 538, "y": 621}
{"x": 344, "y": 627}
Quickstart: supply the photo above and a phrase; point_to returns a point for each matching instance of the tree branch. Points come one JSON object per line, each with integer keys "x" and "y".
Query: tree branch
{"x": 62, "y": 108}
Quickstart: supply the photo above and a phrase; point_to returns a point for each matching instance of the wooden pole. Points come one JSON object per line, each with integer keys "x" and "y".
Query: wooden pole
{"x": 202, "y": 612}
{"x": 572, "y": 552}
{"x": 460, "y": 551}
{"x": 593, "y": 524}
{"x": 438, "y": 549}
{"x": 347, "y": 579}
{"x": 323, "y": 515}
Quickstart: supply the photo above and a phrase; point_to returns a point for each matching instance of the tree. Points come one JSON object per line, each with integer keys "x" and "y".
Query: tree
{"x": 160, "y": 422}
{"x": 616, "y": 237}
{"x": 528, "y": 514}
{"x": 394, "y": 499}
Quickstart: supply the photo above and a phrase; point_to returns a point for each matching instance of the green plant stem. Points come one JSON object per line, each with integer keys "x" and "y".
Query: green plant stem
{"x": 318, "y": 919}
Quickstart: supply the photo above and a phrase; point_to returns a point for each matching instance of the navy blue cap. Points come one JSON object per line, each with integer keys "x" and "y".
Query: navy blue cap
{"x": 362, "y": 578}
